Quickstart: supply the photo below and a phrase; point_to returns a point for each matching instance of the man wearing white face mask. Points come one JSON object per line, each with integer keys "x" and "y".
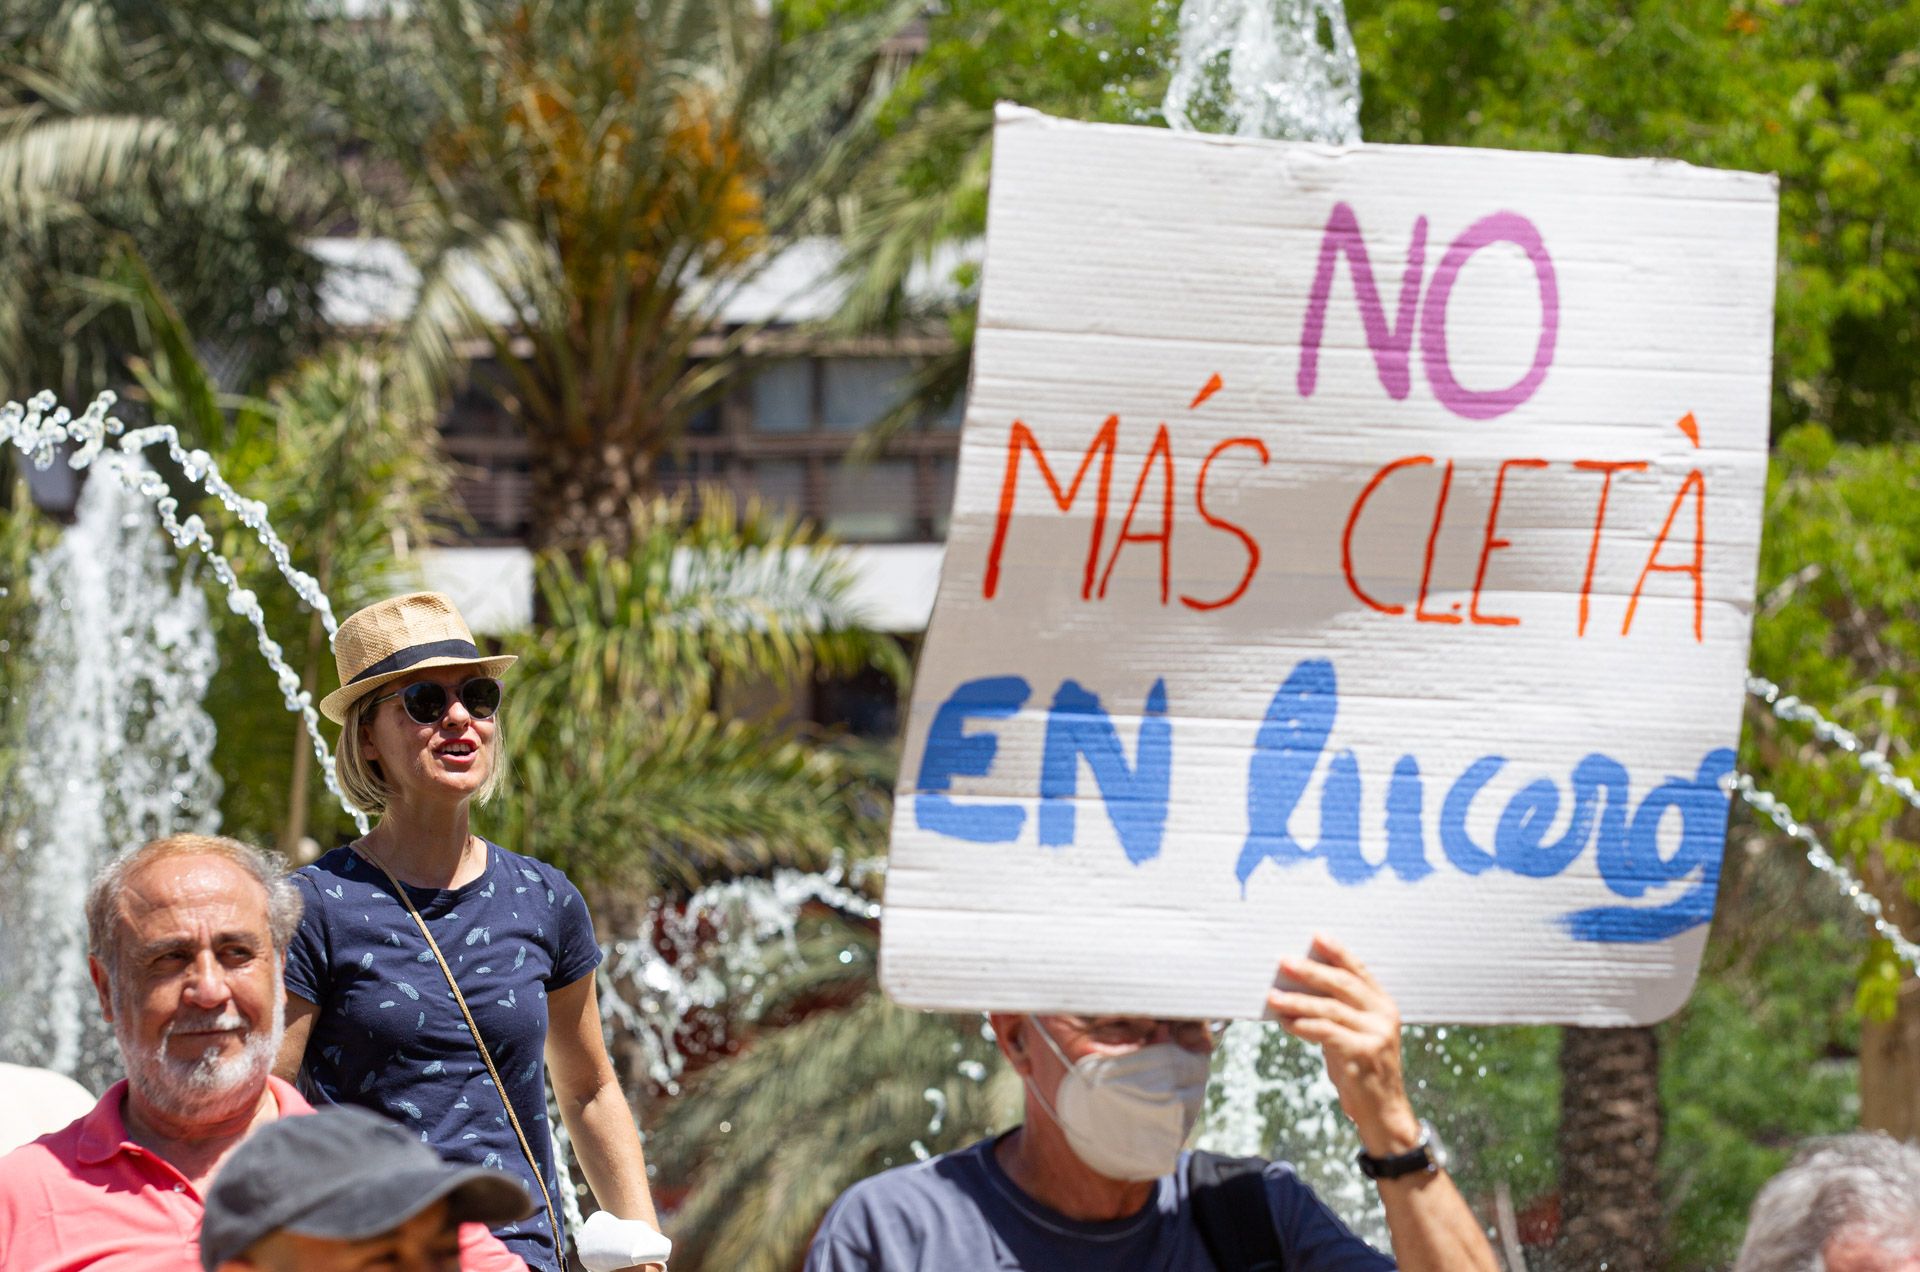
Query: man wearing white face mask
{"x": 1096, "y": 1180}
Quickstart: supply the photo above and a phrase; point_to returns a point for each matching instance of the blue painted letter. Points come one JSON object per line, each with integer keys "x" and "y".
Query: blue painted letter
{"x": 951, "y": 753}
{"x": 1285, "y": 754}
{"x": 1136, "y": 798}
{"x": 1702, "y": 806}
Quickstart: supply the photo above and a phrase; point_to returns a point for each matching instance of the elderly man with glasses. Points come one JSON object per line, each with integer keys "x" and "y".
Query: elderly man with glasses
{"x": 187, "y": 937}
{"x": 1096, "y": 1179}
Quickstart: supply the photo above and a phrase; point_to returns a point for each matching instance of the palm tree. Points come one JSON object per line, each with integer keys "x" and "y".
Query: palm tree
{"x": 1609, "y": 1148}
{"x": 633, "y": 769}
{"x": 615, "y": 173}
{"x": 124, "y": 123}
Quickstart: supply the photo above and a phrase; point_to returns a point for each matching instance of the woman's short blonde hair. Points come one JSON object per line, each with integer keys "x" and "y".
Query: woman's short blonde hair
{"x": 367, "y": 790}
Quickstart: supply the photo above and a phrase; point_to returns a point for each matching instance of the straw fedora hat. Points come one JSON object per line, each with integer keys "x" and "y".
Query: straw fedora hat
{"x": 397, "y": 637}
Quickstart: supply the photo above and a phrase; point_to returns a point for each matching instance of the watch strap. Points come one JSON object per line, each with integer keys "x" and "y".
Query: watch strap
{"x": 1415, "y": 1160}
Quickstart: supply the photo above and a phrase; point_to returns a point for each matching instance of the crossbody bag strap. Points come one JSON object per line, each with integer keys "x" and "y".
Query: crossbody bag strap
{"x": 486, "y": 1057}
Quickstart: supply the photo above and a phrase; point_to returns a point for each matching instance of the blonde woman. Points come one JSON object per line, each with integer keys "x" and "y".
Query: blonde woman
{"x": 435, "y": 976}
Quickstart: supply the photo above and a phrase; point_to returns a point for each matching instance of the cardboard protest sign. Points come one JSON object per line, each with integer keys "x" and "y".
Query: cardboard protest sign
{"x": 1358, "y": 540}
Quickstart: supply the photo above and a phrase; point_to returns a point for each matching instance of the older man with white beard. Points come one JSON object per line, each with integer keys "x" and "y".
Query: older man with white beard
{"x": 186, "y": 938}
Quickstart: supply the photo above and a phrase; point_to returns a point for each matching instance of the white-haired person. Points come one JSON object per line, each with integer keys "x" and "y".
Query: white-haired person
{"x": 185, "y": 940}
{"x": 1848, "y": 1203}
{"x": 437, "y": 977}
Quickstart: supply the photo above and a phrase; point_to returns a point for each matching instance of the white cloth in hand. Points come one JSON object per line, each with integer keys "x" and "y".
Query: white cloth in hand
{"x": 607, "y": 1243}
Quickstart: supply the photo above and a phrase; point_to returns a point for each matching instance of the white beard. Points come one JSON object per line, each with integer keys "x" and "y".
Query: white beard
{"x": 211, "y": 1086}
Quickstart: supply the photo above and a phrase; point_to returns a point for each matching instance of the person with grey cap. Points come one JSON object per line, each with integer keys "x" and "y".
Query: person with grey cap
{"x": 1848, "y": 1203}
{"x": 437, "y": 977}
{"x": 344, "y": 1190}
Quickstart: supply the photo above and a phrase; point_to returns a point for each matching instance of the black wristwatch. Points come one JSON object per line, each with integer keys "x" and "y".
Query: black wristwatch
{"x": 1429, "y": 1155}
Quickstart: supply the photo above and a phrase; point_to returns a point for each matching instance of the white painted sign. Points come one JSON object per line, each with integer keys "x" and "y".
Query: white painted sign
{"x": 1353, "y": 540}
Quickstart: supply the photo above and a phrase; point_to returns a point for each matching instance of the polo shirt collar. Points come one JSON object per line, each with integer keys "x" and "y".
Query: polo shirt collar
{"x": 103, "y": 1132}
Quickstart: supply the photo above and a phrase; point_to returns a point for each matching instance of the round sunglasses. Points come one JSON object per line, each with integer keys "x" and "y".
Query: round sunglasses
{"x": 427, "y": 701}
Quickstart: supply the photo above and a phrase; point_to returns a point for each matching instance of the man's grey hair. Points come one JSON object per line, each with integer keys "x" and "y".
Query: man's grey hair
{"x": 1865, "y": 1187}
{"x": 268, "y": 869}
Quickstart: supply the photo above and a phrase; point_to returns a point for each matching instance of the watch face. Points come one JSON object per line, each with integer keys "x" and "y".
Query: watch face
{"x": 1436, "y": 1147}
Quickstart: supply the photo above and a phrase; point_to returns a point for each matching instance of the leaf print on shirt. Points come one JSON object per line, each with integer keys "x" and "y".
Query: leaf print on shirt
{"x": 393, "y": 939}
{"x": 337, "y": 891}
{"x": 412, "y": 1109}
{"x": 482, "y": 971}
{"x": 520, "y": 958}
{"x": 408, "y": 990}
{"x": 389, "y": 1003}
{"x": 491, "y": 1161}
{"x": 529, "y": 875}
{"x": 433, "y": 1067}
{"x": 333, "y": 1055}
{"x": 380, "y": 896}
{"x": 366, "y": 961}
{"x": 421, "y": 1023}
{"x": 367, "y": 1082}
{"x": 479, "y": 934}
{"x": 491, "y": 885}
{"x": 533, "y": 1067}
{"x": 511, "y": 1000}
{"x": 424, "y": 956}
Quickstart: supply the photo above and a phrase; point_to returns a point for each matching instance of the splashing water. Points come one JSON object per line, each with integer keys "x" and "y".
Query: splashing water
{"x": 118, "y": 751}
{"x": 718, "y": 948}
{"x": 1281, "y": 69}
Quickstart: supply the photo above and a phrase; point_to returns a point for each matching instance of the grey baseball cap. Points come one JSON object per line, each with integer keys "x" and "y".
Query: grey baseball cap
{"x": 343, "y": 1173}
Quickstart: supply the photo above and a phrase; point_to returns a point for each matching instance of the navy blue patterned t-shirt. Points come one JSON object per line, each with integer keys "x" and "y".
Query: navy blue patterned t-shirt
{"x": 389, "y": 1035}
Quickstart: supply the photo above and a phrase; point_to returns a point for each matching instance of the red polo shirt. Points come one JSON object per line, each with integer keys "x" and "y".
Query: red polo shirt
{"x": 86, "y": 1196}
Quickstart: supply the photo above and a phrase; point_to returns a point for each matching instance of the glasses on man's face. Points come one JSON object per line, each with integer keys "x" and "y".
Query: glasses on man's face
{"x": 427, "y": 701}
{"x": 1133, "y": 1032}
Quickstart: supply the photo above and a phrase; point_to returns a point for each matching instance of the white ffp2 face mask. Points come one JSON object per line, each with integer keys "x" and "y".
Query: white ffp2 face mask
{"x": 1128, "y": 1116}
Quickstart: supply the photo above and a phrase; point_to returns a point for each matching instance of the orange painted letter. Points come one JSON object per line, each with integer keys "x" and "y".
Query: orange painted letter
{"x": 1219, "y": 523}
{"x": 1021, "y": 436}
{"x": 1162, "y": 447}
{"x": 1697, "y": 567}
{"x": 1353, "y": 519}
{"x": 1433, "y": 537}
{"x": 1599, "y": 520}
{"x": 1490, "y": 544}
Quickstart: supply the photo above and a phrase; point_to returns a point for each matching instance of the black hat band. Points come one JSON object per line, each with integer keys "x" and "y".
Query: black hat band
{"x": 401, "y": 659}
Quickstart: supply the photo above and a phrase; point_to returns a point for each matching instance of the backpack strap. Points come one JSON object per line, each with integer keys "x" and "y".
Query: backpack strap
{"x": 1229, "y": 1197}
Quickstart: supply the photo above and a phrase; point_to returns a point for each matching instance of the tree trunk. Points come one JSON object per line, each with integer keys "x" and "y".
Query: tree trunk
{"x": 1890, "y": 1049}
{"x": 583, "y": 496}
{"x": 1890, "y": 1069}
{"x": 1609, "y": 1151}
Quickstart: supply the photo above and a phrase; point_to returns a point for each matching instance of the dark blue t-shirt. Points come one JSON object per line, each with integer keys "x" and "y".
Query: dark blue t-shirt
{"x": 959, "y": 1212}
{"x": 389, "y": 1035}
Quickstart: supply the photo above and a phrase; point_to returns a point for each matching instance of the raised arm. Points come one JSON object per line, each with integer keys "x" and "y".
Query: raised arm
{"x": 1357, "y": 1027}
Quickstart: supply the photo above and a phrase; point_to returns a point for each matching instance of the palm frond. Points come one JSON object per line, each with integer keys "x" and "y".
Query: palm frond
{"x": 851, "y": 1093}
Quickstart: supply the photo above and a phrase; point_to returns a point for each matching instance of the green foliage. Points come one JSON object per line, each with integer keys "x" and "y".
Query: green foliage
{"x": 1838, "y": 623}
{"x": 1762, "y": 1057}
{"x": 771, "y": 1137}
{"x": 136, "y": 123}
{"x": 637, "y": 756}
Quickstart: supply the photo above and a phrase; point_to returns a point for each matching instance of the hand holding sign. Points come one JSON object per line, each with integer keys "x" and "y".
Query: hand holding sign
{"x": 1343, "y": 1010}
